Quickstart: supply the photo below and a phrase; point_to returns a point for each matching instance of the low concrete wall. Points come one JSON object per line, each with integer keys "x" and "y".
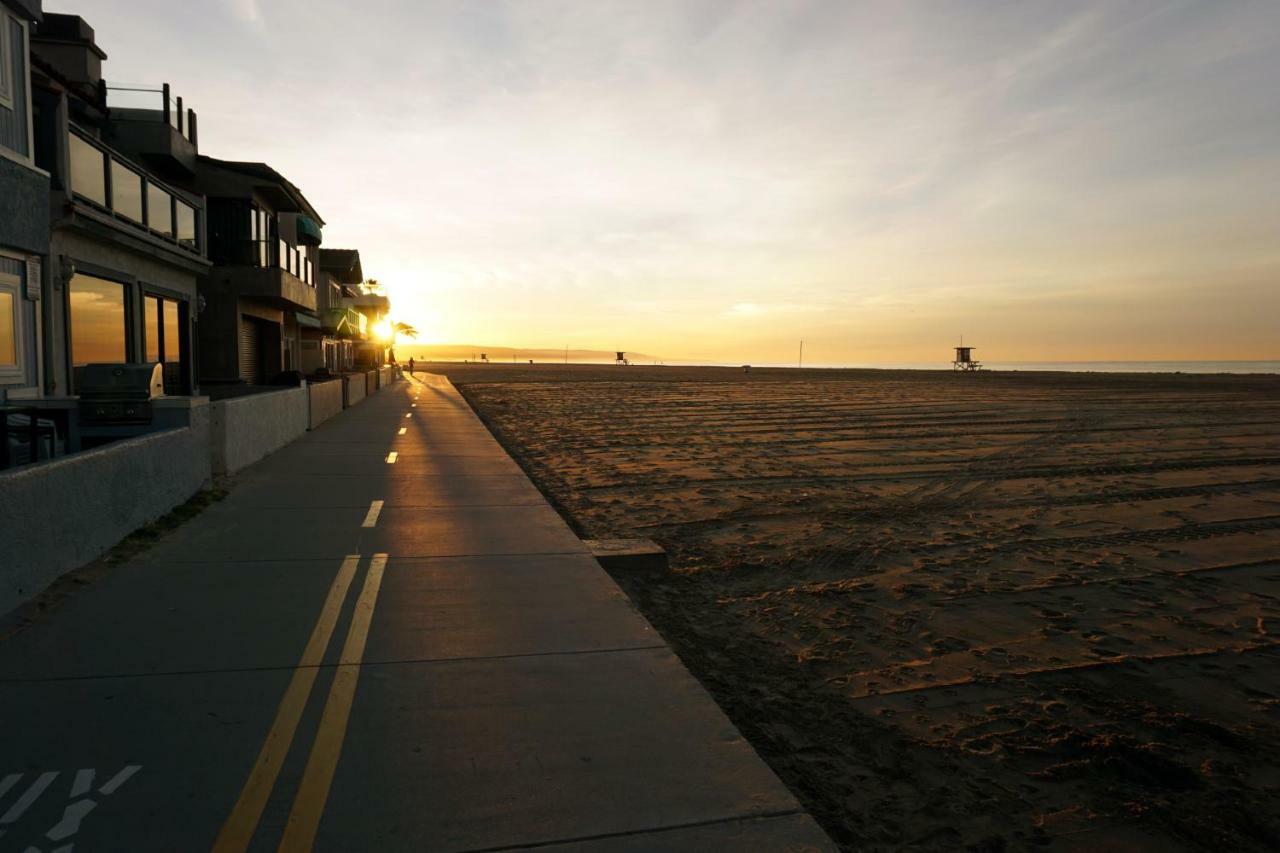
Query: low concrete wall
{"x": 325, "y": 400}
{"x": 242, "y": 430}
{"x": 352, "y": 389}
{"x": 386, "y": 375}
{"x": 370, "y": 382}
{"x": 59, "y": 515}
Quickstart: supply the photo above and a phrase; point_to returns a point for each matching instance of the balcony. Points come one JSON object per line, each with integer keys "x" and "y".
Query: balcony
{"x": 346, "y": 323}
{"x": 149, "y": 122}
{"x": 112, "y": 184}
{"x": 271, "y": 285}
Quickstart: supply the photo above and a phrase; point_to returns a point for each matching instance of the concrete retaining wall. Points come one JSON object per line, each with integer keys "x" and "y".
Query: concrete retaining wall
{"x": 59, "y": 515}
{"x": 370, "y": 382}
{"x": 352, "y": 389}
{"x": 242, "y": 430}
{"x": 386, "y": 375}
{"x": 325, "y": 399}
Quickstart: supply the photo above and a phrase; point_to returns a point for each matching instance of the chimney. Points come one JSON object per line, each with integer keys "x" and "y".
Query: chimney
{"x": 66, "y": 43}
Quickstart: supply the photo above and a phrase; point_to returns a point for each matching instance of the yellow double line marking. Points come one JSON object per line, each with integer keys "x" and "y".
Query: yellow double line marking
{"x": 313, "y": 792}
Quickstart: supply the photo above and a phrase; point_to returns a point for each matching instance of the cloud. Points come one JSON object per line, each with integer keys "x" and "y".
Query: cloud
{"x": 248, "y": 11}
{"x": 730, "y": 171}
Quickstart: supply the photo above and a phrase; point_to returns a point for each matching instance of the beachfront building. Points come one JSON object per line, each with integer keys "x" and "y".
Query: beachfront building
{"x": 264, "y": 239}
{"x": 373, "y": 350}
{"x": 24, "y": 209}
{"x": 126, "y": 245}
{"x": 343, "y": 327}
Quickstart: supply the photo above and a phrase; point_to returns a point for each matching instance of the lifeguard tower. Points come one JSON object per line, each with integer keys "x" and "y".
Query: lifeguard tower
{"x": 964, "y": 360}
{"x": 621, "y": 359}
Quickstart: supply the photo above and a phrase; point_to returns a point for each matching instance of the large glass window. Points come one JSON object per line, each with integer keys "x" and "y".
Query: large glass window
{"x": 88, "y": 171}
{"x": 186, "y": 222}
{"x": 159, "y": 210}
{"x": 8, "y": 328}
{"x": 163, "y": 339}
{"x": 98, "y": 321}
{"x": 151, "y": 333}
{"x": 172, "y": 328}
{"x": 126, "y": 191}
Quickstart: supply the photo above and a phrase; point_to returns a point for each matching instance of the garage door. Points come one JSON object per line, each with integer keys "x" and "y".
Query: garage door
{"x": 250, "y": 351}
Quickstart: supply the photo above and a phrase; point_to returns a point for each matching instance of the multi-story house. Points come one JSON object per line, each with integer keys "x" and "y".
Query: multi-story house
{"x": 264, "y": 239}
{"x": 342, "y": 327}
{"x": 126, "y": 248}
{"x": 24, "y": 210}
{"x": 376, "y": 308}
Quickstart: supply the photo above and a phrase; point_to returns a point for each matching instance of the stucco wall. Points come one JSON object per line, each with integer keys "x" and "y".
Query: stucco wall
{"x": 245, "y": 429}
{"x": 59, "y": 515}
{"x": 326, "y": 400}
{"x": 353, "y": 389}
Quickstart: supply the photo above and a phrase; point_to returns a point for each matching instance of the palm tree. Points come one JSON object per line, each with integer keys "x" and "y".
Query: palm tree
{"x": 398, "y": 329}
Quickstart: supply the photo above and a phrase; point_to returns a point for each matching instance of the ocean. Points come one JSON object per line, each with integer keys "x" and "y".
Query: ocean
{"x": 1269, "y": 366}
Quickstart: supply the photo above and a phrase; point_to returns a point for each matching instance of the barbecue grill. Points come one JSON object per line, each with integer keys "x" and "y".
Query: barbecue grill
{"x": 119, "y": 393}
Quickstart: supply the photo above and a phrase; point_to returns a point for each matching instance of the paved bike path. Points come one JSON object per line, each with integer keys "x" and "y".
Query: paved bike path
{"x": 360, "y": 651}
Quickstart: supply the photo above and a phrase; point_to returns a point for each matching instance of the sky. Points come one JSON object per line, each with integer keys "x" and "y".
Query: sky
{"x": 716, "y": 180}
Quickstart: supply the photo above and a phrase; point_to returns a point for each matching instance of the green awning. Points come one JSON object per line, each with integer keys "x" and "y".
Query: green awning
{"x": 308, "y": 231}
{"x": 307, "y": 320}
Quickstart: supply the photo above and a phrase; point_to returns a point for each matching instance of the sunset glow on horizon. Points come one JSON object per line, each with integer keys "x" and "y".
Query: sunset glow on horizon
{"x": 719, "y": 180}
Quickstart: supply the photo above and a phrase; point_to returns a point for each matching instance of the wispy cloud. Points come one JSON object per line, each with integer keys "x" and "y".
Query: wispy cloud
{"x": 730, "y": 173}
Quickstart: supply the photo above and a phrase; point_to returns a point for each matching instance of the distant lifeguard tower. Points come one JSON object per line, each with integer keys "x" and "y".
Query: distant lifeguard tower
{"x": 964, "y": 360}
{"x": 621, "y": 359}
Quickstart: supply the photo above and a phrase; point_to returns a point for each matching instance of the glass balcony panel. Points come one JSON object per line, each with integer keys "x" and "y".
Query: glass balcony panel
{"x": 135, "y": 98}
{"x": 88, "y": 171}
{"x": 186, "y": 216}
{"x": 126, "y": 191}
{"x": 159, "y": 210}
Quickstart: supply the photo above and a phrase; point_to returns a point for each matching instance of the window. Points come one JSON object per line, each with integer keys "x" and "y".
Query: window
{"x": 163, "y": 339}
{"x": 88, "y": 171}
{"x": 186, "y": 221}
{"x": 98, "y": 321}
{"x": 12, "y": 273}
{"x": 8, "y": 328}
{"x": 260, "y": 235}
{"x": 126, "y": 191}
{"x": 151, "y": 307}
{"x": 7, "y": 84}
{"x": 159, "y": 210}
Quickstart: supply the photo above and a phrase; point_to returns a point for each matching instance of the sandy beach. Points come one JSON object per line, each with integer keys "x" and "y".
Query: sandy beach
{"x": 986, "y": 612}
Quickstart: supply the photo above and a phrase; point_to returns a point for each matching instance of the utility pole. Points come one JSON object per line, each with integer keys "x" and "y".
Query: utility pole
{"x": 800, "y": 363}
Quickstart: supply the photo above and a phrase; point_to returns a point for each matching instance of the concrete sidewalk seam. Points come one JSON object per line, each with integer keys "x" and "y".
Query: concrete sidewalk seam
{"x": 322, "y": 666}
{"x": 743, "y": 818}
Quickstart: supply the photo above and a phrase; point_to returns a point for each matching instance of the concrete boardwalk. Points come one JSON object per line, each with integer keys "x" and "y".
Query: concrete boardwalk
{"x": 364, "y": 654}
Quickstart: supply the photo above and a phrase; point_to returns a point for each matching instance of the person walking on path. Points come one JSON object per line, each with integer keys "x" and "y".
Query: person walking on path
{"x": 410, "y": 365}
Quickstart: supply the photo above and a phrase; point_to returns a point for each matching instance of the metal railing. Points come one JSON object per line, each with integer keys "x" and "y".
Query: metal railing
{"x": 152, "y": 99}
